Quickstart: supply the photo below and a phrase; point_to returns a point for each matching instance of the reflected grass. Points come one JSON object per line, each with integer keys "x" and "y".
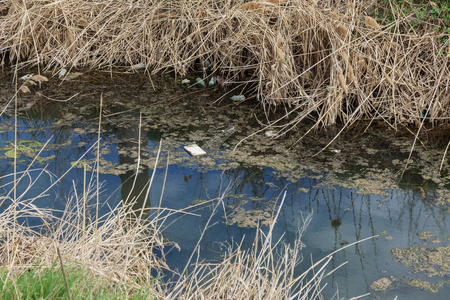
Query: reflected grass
{"x": 115, "y": 257}
{"x": 78, "y": 252}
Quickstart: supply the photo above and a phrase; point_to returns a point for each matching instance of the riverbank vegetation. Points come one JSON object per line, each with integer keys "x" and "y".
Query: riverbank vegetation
{"x": 78, "y": 253}
{"x": 326, "y": 61}
{"x": 329, "y": 61}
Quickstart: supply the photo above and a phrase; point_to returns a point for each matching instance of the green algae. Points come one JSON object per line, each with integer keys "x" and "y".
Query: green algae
{"x": 425, "y": 285}
{"x": 381, "y": 284}
{"x": 368, "y": 161}
{"x": 249, "y": 218}
{"x": 425, "y": 235}
{"x": 432, "y": 261}
{"x": 26, "y": 149}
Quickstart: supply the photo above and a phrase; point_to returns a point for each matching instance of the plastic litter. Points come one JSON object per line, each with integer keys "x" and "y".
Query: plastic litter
{"x": 200, "y": 82}
{"x": 228, "y": 130}
{"x": 271, "y": 133}
{"x": 238, "y": 98}
{"x": 185, "y": 81}
{"x": 139, "y": 66}
{"x": 194, "y": 150}
{"x": 62, "y": 73}
{"x": 25, "y": 77}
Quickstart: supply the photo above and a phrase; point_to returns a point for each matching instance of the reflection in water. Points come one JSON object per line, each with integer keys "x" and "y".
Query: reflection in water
{"x": 341, "y": 215}
{"x": 134, "y": 183}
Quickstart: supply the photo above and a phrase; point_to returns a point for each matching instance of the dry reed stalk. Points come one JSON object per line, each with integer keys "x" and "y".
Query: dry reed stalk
{"x": 116, "y": 247}
{"x": 266, "y": 271}
{"x": 390, "y": 75}
{"x": 102, "y": 247}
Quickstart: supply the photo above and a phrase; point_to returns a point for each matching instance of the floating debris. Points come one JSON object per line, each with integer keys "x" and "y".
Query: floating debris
{"x": 194, "y": 150}
{"x": 62, "y": 73}
{"x": 25, "y": 77}
{"x": 304, "y": 190}
{"x": 65, "y": 75}
{"x": 212, "y": 81}
{"x": 271, "y": 133}
{"x": 185, "y": 81}
{"x": 434, "y": 261}
{"x": 228, "y": 130}
{"x": 139, "y": 66}
{"x": 238, "y": 98}
{"x": 381, "y": 284}
{"x": 200, "y": 82}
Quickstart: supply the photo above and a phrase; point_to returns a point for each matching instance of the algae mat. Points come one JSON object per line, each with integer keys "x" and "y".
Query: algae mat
{"x": 354, "y": 188}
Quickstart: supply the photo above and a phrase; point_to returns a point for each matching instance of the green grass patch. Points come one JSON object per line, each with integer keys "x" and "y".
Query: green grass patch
{"x": 49, "y": 283}
{"x": 417, "y": 16}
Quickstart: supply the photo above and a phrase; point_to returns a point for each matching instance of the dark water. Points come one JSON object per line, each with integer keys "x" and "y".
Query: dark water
{"x": 347, "y": 201}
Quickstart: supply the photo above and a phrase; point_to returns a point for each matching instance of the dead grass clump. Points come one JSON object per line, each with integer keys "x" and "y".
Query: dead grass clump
{"x": 326, "y": 60}
{"x": 266, "y": 271}
{"x": 251, "y": 274}
{"x": 117, "y": 248}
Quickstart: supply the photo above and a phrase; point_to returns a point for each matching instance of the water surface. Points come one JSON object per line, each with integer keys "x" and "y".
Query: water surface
{"x": 354, "y": 188}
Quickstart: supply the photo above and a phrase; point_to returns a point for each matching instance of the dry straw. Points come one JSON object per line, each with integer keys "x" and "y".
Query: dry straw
{"x": 266, "y": 271}
{"x": 289, "y": 51}
{"x": 118, "y": 249}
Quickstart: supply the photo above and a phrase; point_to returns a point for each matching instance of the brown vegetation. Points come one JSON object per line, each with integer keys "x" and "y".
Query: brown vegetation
{"x": 118, "y": 250}
{"x": 326, "y": 60}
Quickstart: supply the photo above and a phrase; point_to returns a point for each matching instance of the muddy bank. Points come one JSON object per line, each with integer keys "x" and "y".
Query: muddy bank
{"x": 326, "y": 61}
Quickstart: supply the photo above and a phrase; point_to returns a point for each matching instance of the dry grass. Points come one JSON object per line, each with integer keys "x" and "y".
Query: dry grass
{"x": 266, "y": 271}
{"x": 118, "y": 248}
{"x": 325, "y": 60}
